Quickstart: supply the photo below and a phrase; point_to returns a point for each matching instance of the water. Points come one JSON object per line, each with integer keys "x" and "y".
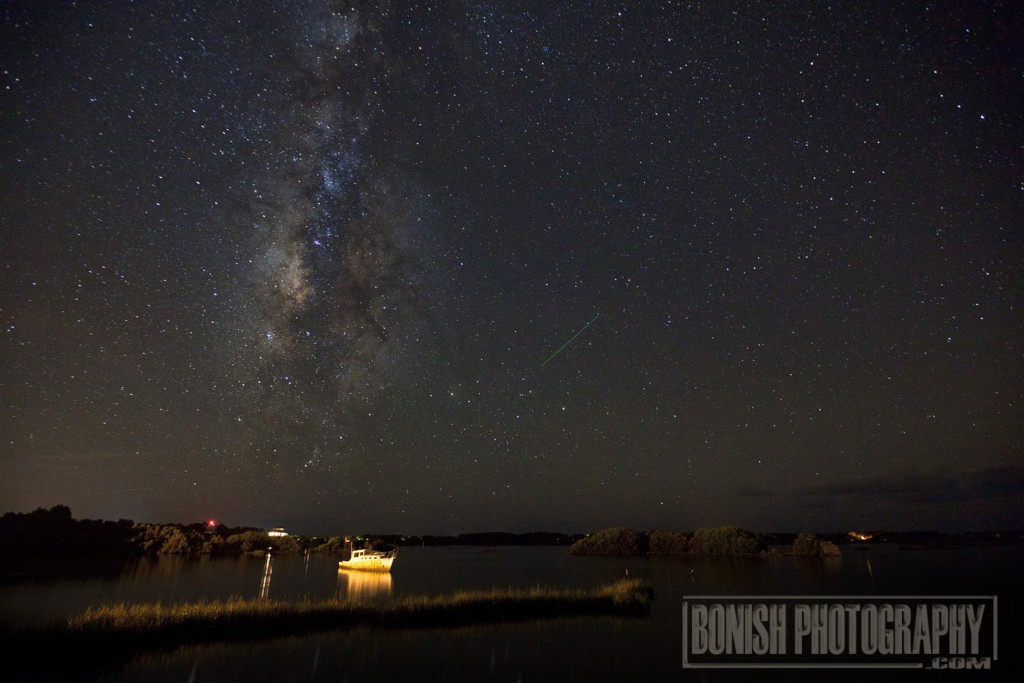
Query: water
{"x": 572, "y": 649}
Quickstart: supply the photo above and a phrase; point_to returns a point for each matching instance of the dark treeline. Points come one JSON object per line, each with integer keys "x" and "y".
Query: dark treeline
{"x": 725, "y": 540}
{"x": 54, "y": 532}
{"x": 489, "y": 538}
{"x": 729, "y": 540}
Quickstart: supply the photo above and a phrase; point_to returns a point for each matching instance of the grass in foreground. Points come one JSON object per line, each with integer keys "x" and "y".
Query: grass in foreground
{"x": 468, "y": 606}
{"x": 131, "y": 627}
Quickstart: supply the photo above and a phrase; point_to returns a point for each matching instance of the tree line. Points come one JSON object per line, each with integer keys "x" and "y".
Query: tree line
{"x": 725, "y": 540}
{"x": 54, "y": 532}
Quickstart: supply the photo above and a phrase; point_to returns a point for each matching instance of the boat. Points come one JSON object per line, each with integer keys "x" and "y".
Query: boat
{"x": 369, "y": 560}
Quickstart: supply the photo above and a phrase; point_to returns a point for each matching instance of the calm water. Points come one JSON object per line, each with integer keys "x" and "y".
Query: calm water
{"x": 575, "y": 649}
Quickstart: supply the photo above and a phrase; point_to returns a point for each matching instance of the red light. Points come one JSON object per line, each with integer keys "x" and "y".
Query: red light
{"x": 212, "y": 523}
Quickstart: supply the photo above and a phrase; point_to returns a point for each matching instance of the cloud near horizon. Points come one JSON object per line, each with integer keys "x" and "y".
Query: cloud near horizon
{"x": 993, "y": 482}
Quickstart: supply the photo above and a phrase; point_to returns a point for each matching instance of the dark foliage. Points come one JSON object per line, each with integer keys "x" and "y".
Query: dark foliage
{"x": 615, "y": 541}
{"x": 664, "y": 542}
{"x": 53, "y": 532}
{"x": 809, "y": 544}
{"x": 724, "y": 540}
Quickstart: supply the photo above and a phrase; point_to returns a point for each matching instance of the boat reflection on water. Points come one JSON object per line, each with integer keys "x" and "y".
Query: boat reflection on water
{"x": 363, "y": 586}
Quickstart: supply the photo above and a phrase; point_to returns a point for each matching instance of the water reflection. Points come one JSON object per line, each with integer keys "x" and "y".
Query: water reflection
{"x": 815, "y": 570}
{"x": 268, "y": 569}
{"x": 614, "y": 648}
{"x": 363, "y": 586}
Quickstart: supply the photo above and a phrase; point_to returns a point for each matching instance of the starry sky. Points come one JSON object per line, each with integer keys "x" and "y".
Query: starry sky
{"x": 301, "y": 263}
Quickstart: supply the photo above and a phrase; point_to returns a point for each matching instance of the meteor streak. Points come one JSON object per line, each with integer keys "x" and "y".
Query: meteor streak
{"x": 570, "y": 340}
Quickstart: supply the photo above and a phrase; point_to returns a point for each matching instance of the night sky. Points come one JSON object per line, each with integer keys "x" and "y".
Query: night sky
{"x": 300, "y": 263}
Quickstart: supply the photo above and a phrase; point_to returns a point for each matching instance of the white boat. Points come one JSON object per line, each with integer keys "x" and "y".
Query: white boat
{"x": 369, "y": 560}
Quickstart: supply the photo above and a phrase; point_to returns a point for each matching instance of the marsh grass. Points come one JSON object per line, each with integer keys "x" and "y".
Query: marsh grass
{"x": 471, "y": 606}
{"x": 132, "y": 627}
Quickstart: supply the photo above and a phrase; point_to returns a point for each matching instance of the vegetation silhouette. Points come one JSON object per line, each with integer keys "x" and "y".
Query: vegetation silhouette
{"x": 617, "y": 541}
{"x": 811, "y": 545}
{"x": 102, "y": 636}
{"x": 723, "y": 540}
{"x": 664, "y": 542}
{"x": 54, "y": 532}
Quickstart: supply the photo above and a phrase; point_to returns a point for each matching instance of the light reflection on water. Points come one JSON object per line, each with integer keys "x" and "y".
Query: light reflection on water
{"x": 268, "y": 571}
{"x": 362, "y": 586}
{"x": 591, "y": 648}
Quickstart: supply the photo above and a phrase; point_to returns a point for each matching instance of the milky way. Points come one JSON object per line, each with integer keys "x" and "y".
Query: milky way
{"x": 303, "y": 262}
{"x": 340, "y": 245}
